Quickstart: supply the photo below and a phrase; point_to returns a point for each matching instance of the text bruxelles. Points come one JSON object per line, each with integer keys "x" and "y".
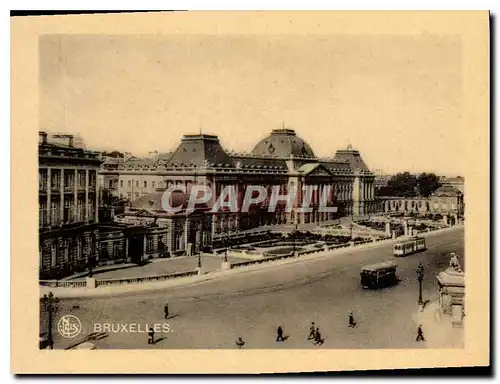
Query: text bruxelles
{"x": 131, "y": 327}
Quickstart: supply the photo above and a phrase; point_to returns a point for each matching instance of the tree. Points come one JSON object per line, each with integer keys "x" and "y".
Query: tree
{"x": 115, "y": 154}
{"x": 427, "y": 184}
{"x": 402, "y": 184}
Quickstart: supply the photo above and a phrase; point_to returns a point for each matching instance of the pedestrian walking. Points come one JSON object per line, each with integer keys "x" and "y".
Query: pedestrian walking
{"x": 240, "y": 343}
{"x": 318, "y": 339}
{"x": 312, "y": 331}
{"x": 352, "y": 323}
{"x": 151, "y": 336}
{"x": 279, "y": 333}
{"x": 420, "y": 334}
{"x": 166, "y": 311}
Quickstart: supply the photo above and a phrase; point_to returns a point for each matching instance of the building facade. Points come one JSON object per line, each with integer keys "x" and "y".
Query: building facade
{"x": 281, "y": 160}
{"x": 72, "y": 240}
{"x": 445, "y": 200}
{"x": 68, "y": 205}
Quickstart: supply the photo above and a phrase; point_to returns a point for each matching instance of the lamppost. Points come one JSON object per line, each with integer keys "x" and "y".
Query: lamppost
{"x": 198, "y": 239}
{"x": 295, "y": 231}
{"x": 51, "y": 305}
{"x": 420, "y": 278}
{"x": 226, "y": 240}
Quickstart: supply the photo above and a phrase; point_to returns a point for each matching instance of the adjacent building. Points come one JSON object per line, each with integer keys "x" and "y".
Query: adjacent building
{"x": 68, "y": 204}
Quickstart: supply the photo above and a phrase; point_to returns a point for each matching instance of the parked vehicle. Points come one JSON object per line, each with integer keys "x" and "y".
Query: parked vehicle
{"x": 379, "y": 275}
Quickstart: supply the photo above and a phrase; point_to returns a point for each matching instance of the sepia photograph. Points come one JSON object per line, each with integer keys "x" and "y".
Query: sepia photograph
{"x": 276, "y": 189}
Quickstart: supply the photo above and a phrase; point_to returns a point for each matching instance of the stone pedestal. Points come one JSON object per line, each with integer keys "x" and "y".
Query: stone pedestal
{"x": 226, "y": 266}
{"x": 388, "y": 229}
{"x": 405, "y": 227}
{"x": 451, "y": 294}
{"x": 199, "y": 271}
{"x": 90, "y": 281}
{"x": 445, "y": 219}
{"x": 410, "y": 231}
{"x": 393, "y": 235}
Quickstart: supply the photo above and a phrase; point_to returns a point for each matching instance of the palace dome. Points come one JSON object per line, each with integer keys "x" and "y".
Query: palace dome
{"x": 283, "y": 143}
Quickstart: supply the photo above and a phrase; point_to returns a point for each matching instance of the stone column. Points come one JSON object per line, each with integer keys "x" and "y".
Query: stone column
{"x": 49, "y": 197}
{"x": 61, "y": 191}
{"x": 186, "y": 233}
{"x": 356, "y": 189}
{"x": 86, "y": 195}
{"x": 96, "y": 196}
{"x": 388, "y": 229}
{"x": 405, "y": 226}
{"x": 144, "y": 244}
{"x": 75, "y": 196}
{"x": 127, "y": 259}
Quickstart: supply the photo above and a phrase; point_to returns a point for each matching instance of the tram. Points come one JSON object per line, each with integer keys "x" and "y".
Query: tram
{"x": 407, "y": 247}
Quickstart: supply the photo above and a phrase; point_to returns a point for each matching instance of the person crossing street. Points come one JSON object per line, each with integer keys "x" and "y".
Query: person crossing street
{"x": 420, "y": 334}
{"x": 352, "y": 323}
{"x": 312, "y": 331}
{"x": 151, "y": 336}
{"x": 166, "y": 311}
{"x": 279, "y": 333}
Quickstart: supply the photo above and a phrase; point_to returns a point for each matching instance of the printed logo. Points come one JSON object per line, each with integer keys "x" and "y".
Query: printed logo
{"x": 69, "y": 326}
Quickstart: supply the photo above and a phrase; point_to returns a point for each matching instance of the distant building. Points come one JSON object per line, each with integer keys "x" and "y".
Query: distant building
{"x": 381, "y": 179}
{"x": 455, "y": 182}
{"x": 445, "y": 200}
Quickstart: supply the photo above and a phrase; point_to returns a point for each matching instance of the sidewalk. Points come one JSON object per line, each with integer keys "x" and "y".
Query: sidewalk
{"x": 62, "y": 292}
{"x": 438, "y": 329}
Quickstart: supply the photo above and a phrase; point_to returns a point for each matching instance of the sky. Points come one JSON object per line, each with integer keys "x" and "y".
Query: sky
{"x": 395, "y": 98}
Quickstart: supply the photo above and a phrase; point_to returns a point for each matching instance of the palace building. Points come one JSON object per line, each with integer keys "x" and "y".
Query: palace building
{"x": 280, "y": 160}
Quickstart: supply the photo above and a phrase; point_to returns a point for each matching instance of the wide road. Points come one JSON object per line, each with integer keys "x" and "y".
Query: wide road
{"x": 214, "y": 313}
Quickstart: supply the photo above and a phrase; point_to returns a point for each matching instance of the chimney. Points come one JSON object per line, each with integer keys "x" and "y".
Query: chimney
{"x": 42, "y": 137}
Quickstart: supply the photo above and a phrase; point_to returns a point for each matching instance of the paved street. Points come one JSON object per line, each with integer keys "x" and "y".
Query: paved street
{"x": 213, "y": 314}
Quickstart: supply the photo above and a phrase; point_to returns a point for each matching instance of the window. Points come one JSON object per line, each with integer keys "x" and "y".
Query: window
{"x": 153, "y": 184}
{"x": 104, "y": 251}
{"x": 150, "y": 244}
{"x": 129, "y": 195}
{"x": 137, "y": 184}
{"x": 137, "y": 195}
{"x": 129, "y": 183}
{"x": 121, "y": 183}
{"x": 145, "y": 184}
{"x": 116, "y": 250}
{"x": 53, "y": 255}
{"x": 66, "y": 251}
{"x": 110, "y": 183}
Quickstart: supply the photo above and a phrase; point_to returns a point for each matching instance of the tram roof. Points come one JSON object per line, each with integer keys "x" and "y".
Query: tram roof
{"x": 410, "y": 240}
{"x": 381, "y": 265}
